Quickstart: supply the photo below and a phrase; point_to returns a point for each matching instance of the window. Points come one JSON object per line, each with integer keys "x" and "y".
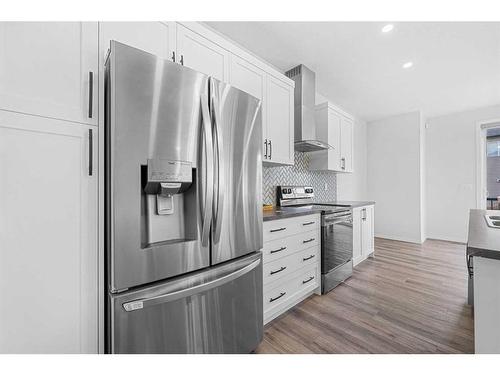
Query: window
{"x": 493, "y": 147}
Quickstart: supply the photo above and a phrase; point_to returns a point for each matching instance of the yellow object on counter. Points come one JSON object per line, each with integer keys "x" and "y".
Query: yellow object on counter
{"x": 268, "y": 207}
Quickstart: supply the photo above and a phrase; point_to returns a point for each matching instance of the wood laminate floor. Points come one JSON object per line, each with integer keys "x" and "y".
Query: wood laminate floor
{"x": 409, "y": 298}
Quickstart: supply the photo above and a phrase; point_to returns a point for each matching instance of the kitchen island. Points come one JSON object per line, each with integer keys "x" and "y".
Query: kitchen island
{"x": 483, "y": 254}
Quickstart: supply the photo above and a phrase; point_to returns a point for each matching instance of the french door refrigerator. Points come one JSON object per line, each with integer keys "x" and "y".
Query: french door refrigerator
{"x": 183, "y": 209}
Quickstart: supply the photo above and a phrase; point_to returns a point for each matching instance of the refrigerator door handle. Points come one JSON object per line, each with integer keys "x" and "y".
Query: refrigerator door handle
{"x": 165, "y": 298}
{"x": 208, "y": 189}
{"x": 219, "y": 196}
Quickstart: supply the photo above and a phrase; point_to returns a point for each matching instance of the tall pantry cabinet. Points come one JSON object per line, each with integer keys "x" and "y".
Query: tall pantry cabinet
{"x": 48, "y": 188}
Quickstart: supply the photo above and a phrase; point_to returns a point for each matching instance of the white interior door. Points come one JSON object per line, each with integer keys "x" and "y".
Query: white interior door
{"x": 201, "y": 54}
{"x": 48, "y": 236}
{"x": 49, "y": 69}
{"x": 280, "y": 121}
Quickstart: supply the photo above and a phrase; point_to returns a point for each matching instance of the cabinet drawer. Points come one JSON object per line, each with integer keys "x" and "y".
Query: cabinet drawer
{"x": 284, "y": 266}
{"x": 275, "y": 229}
{"x": 282, "y": 247}
{"x": 281, "y": 295}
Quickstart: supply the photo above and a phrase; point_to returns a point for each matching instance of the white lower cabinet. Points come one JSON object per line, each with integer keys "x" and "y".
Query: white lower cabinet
{"x": 363, "y": 233}
{"x": 292, "y": 262}
{"x": 48, "y": 236}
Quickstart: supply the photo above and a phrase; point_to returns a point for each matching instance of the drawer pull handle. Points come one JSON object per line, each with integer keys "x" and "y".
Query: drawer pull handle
{"x": 275, "y": 298}
{"x": 309, "y": 257}
{"x": 309, "y": 240}
{"x": 308, "y": 223}
{"x": 278, "y": 250}
{"x": 278, "y": 271}
{"x": 309, "y": 279}
{"x": 277, "y": 230}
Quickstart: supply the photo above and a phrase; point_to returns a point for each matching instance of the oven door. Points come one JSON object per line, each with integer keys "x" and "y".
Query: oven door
{"x": 336, "y": 240}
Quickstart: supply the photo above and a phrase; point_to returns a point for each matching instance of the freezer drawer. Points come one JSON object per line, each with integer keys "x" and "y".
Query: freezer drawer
{"x": 218, "y": 310}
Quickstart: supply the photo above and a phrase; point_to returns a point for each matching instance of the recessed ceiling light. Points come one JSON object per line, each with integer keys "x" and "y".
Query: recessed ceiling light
{"x": 387, "y": 28}
{"x": 407, "y": 65}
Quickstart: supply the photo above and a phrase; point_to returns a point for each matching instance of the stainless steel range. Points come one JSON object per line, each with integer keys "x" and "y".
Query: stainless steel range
{"x": 336, "y": 233}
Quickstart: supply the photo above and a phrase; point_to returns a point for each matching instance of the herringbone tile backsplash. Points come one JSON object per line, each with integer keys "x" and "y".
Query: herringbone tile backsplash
{"x": 298, "y": 174}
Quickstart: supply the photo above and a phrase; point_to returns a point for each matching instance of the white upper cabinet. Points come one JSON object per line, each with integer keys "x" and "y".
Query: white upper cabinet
{"x": 346, "y": 144}
{"x": 336, "y": 128}
{"x": 48, "y": 236}
{"x": 201, "y": 54}
{"x": 157, "y": 38}
{"x": 247, "y": 77}
{"x": 50, "y": 69}
{"x": 279, "y": 131}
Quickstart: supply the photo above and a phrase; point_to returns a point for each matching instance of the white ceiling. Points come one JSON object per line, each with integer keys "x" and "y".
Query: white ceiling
{"x": 456, "y": 64}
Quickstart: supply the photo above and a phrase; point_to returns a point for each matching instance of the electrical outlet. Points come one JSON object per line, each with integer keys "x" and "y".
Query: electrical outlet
{"x": 326, "y": 186}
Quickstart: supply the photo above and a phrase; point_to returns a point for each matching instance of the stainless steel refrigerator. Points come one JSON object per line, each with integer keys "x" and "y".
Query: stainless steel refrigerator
{"x": 183, "y": 209}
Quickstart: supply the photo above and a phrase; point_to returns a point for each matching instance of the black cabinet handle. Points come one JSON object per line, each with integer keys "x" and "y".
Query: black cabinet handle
{"x": 277, "y": 230}
{"x": 265, "y": 152}
{"x": 309, "y": 257}
{"x": 91, "y": 93}
{"x": 182, "y": 59}
{"x": 309, "y": 279}
{"x": 277, "y": 271}
{"x": 275, "y": 298}
{"x": 91, "y": 152}
{"x": 308, "y": 223}
{"x": 270, "y": 150}
{"x": 278, "y": 250}
{"x": 309, "y": 240}
{"x": 173, "y": 56}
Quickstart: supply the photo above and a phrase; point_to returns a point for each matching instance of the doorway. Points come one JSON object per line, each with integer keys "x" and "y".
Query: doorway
{"x": 488, "y": 168}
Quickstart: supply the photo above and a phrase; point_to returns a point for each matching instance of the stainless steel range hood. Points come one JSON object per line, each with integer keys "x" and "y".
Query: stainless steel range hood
{"x": 304, "y": 103}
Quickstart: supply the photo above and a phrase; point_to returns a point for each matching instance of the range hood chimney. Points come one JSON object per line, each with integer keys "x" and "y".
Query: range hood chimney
{"x": 304, "y": 103}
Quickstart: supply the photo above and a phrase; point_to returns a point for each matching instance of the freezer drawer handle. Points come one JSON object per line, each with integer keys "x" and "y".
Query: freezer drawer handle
{"x": 277, "y": 230}
{"x": 164, "y": 298}
{"x": 309, "y": 240}
{"x": 278, "y": 271}
{"x": 308, "y": 223}
{"x": 278, "y": 250}
{"x": 309, "y": 279}
{"x": 309, "y": 257}
{"x": 276, "y": 298}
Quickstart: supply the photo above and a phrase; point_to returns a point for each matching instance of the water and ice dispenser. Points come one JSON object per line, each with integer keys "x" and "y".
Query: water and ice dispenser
{"x": 169, "y": 202}
{"x": 165, "y": 178}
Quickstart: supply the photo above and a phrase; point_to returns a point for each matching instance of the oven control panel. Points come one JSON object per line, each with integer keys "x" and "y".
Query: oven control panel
{"x": 295, "y": 193}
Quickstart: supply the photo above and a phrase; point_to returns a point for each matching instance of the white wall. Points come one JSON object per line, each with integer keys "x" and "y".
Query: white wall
{"x": 451, "y": 171}
{"x": 394, "y": 155}
{"x": 352, "y": 186}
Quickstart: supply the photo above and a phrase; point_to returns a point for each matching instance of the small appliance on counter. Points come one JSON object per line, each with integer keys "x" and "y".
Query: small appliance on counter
{"x": 336, "y": 233}
{"x": 182, "y": 154}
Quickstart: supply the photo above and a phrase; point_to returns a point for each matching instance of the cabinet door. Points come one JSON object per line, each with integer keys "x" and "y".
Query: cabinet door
{"x": 280, "y": 129}
{"x": 357, "y": 224}
{"x": 346, "y": 144}
{"x": 157, "y": 38}
{"x": 334, "y": 132}
{"x": 249, "y": 78}
{"x": 199, "y": 53}
{"x": 48, "y": 236}
{"x": 367, "y": 244}
{"x": 49, "y": 69}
